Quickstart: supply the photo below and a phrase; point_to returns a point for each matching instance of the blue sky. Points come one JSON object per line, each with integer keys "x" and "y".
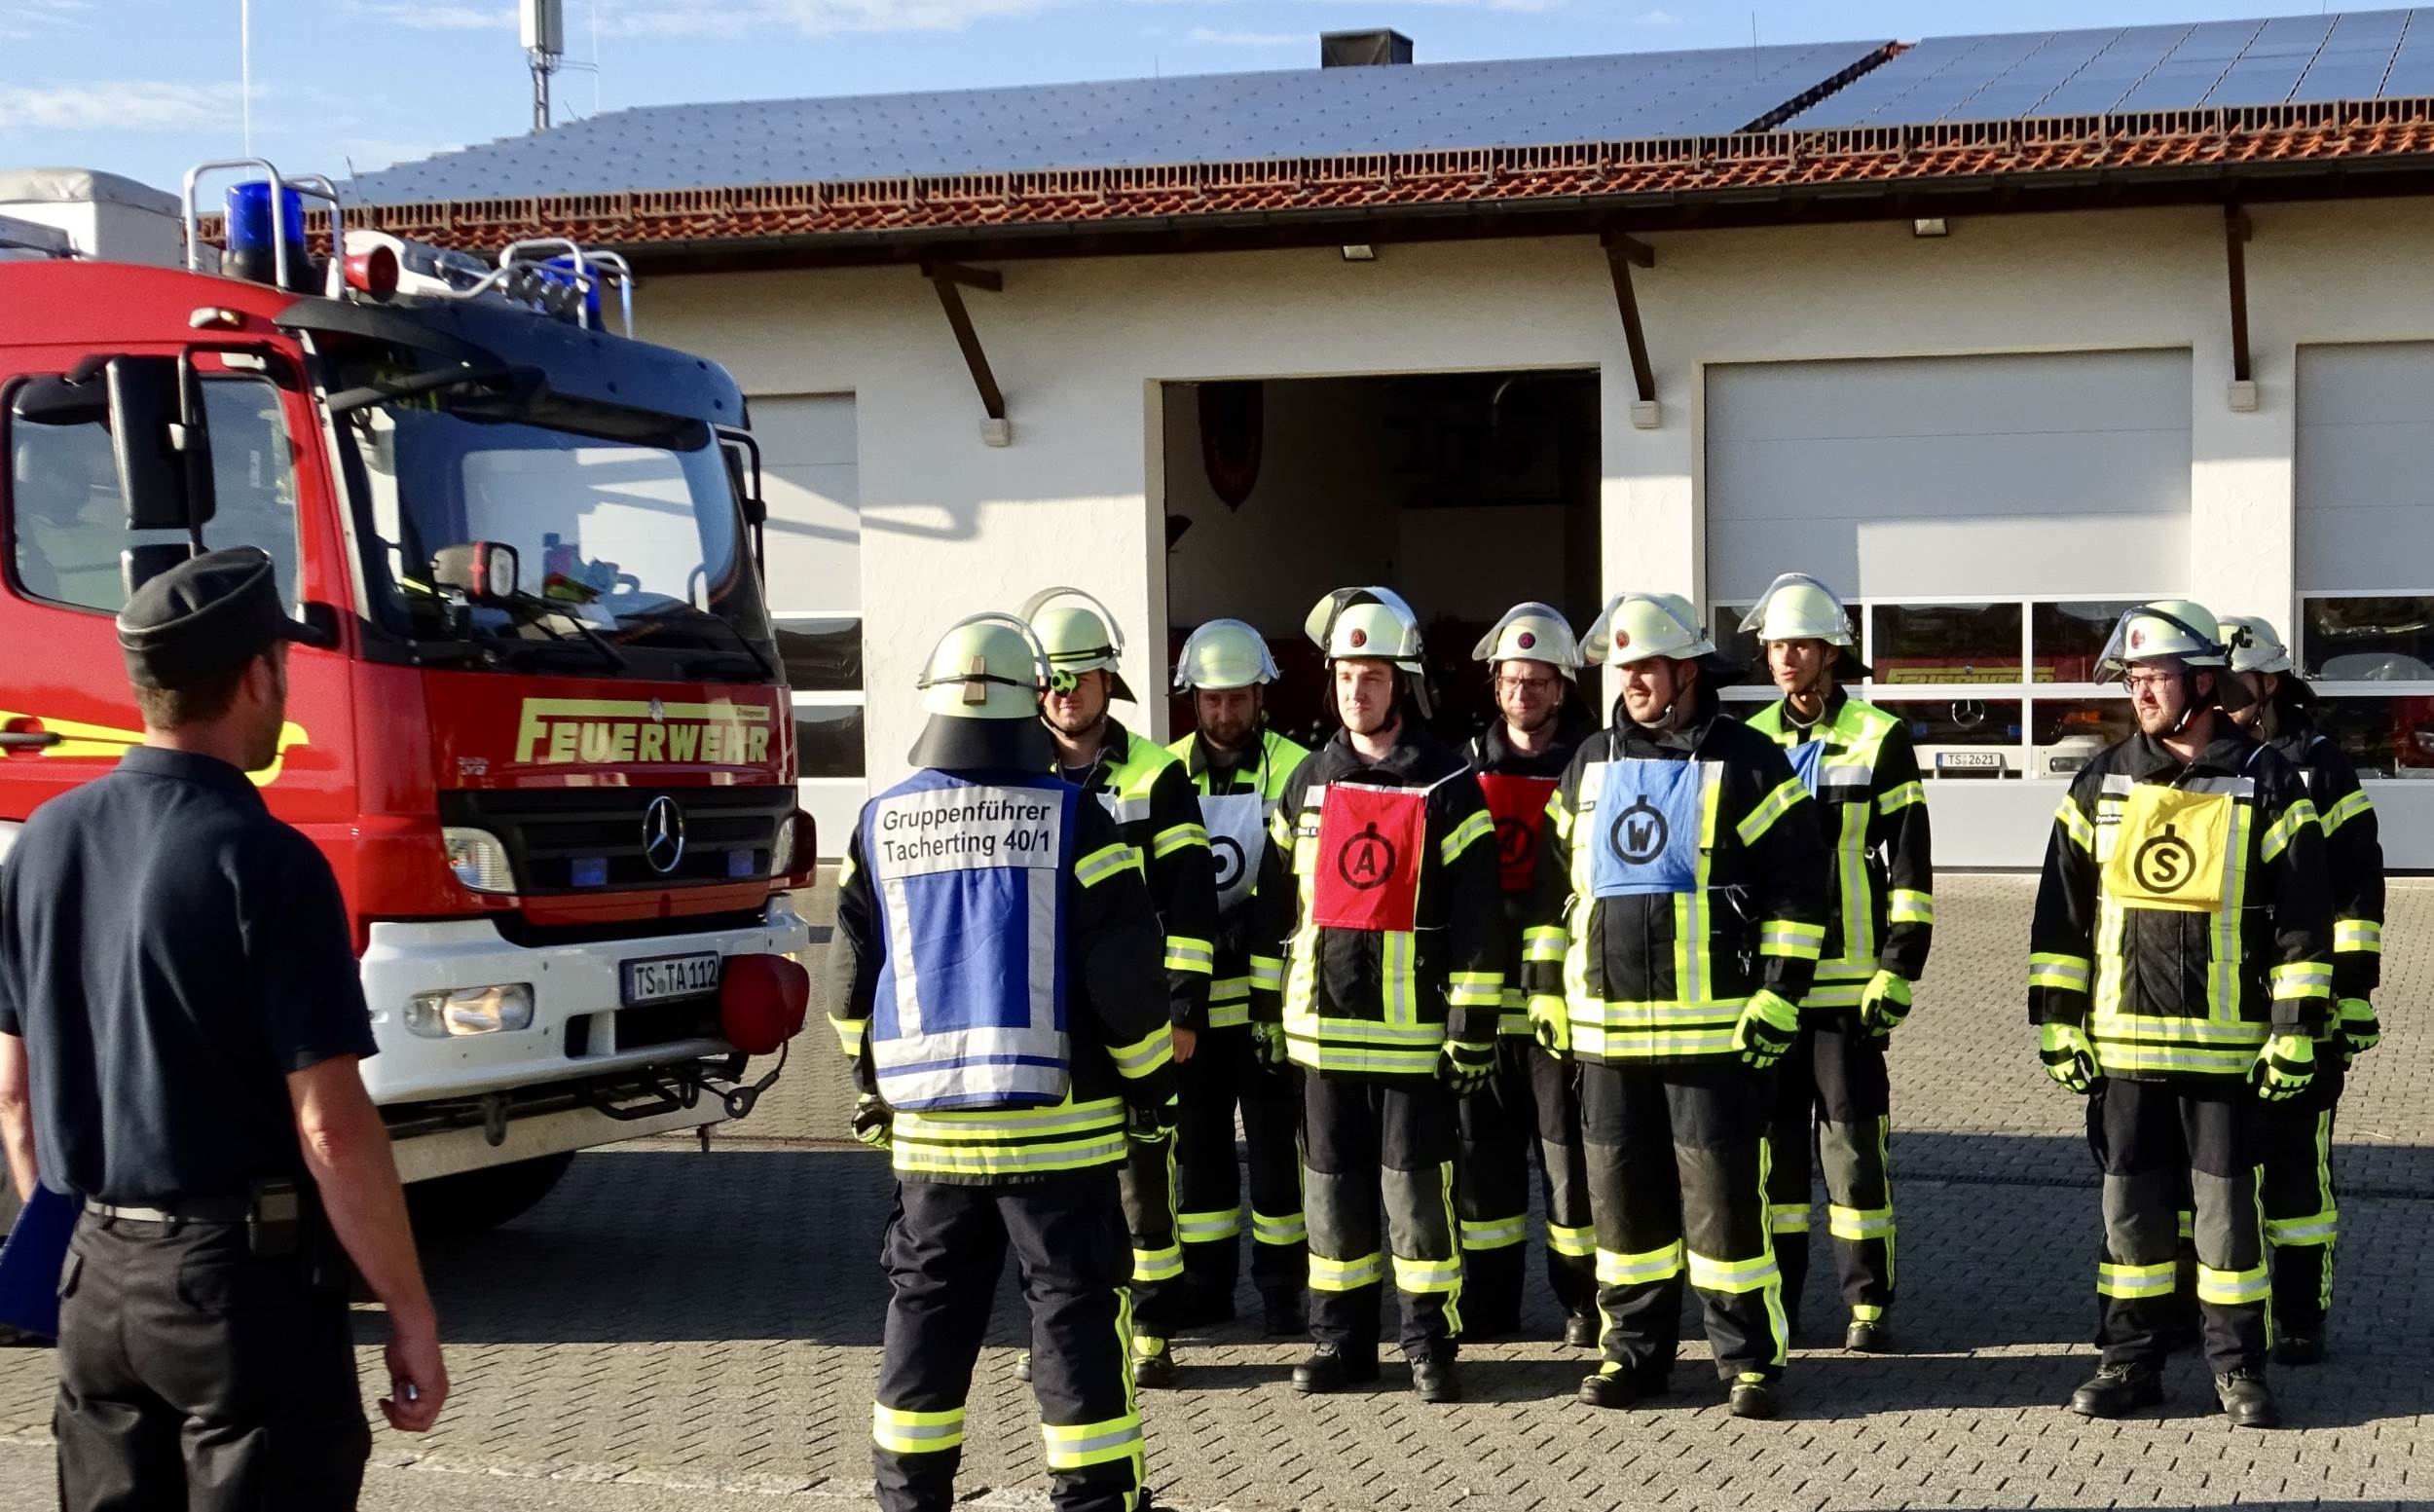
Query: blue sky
{"x": 147, "y": 87}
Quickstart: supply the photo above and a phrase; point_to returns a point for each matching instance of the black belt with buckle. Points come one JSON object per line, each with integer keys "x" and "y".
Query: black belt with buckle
{"x": 209, "y": 1210}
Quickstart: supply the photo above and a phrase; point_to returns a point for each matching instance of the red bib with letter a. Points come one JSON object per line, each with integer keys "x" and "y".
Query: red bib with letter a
{"x": 1367, "y": 876}
{"x": 1519, "y": 807}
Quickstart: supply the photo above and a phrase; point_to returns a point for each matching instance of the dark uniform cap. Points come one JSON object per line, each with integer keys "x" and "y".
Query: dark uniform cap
{"x": 205, "y": 619}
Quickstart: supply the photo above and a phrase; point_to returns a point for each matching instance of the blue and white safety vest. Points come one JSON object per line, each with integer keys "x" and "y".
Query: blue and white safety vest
{"x": 969, "y": 880}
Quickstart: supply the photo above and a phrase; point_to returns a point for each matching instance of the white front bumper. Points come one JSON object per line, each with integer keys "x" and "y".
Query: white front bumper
{"x": 569, "y": 981}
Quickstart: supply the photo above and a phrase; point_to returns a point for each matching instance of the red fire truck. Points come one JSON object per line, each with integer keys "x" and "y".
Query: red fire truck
{"x": 541, "y": 732}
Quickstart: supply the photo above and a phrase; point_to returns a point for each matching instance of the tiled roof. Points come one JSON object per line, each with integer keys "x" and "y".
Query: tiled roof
{"x": 1615, "y": 174}
{"x": 1133, "y": 123}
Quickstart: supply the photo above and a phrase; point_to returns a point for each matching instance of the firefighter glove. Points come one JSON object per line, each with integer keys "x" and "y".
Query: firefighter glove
{"x": 1267, "y": 1045}
{"x": 1884, "y": 1003}
{"x": 2284, "y": 1067}
{"x": 1151, "y": 1124}
{"x": 1550, "y": 1022}
{"x": 874, "y": 1124}
{"x": 2070, "y": 1056}
{"x": 2359, "y": 1029}
{"x": 1767, "y": 1028}
{"x": 1464, "y": 1066}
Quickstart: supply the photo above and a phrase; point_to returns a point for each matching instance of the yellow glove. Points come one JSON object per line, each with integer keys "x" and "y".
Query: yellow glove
{"x": 874, "y": 1123}
{"x": 2284, "y": 1067}
{"x": 2358, "y": 1029}
{"x": 1884, "y": 1003}
{"x": 1551, "y": 1023}
{"x": 2070, "y": 1056}
{"x": 1766, "y": 1029}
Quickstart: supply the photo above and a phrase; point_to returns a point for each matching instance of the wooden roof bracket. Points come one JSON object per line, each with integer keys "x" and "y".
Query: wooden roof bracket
{"x": 2236, "y": 230}
{"x": 1622, "y": 254}
{"x": 950, "y": 280}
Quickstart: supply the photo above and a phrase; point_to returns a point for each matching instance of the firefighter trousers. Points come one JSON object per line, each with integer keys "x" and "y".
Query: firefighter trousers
{"x": 1222, "y": 1075}
{"x": 2154, "y": 1141}
{"x": 1148, "y": 1187}
{"x": 1530, "y": 1105}
{"x": 1677, "y": 1156}
{"x": 1832, "y": 1086}
{"x": 2301, "y": 1217}
{"x": 1369, "y": 1145}
{"x": 944, "y": 1248}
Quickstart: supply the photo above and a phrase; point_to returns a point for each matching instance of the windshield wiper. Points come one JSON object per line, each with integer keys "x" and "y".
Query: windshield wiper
{"x": 533, "y": 611}
{"x": 761, "y": 662}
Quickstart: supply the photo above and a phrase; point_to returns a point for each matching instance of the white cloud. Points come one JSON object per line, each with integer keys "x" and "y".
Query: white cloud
{"x": 28, "y": 19}
{"x": 435, "y": 17}
{"x": 1209, "y": 36}
{"x": 130, "y": 104}
{"x": 1659, "y": 18}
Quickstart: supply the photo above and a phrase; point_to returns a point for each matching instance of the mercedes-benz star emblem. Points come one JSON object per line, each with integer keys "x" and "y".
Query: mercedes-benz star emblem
{"x": 663, "y": 834}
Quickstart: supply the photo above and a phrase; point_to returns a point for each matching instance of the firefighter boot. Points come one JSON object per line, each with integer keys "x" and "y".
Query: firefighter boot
{"x": 1436, "y": 1380}
{"x": 1754, "y": 1396}
{"x": 1153, "y": 1364}
{"x": 1330, "y": 1369}
{"x": 1618, "y": 1386}
{"x": 2118, "y": 1390}
{"x": 2298, "y": 1349}
{"x": 2247, "y": 1400}
{"x": 1580, "y": 1330}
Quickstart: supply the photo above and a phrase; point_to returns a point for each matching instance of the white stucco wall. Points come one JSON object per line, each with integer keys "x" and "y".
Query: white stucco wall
{"x": 951, "y": 525}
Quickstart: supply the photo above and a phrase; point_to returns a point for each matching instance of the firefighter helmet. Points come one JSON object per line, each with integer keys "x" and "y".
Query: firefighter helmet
{"x": 1224, "y": 653}
{"x": 1351, "y": 623}
{"x": 2178, "y": 630}
{"x": 1638, "y": 626}
{"x": 982, "y": 690}
{"x": 1080, "y": 636}
{"x": 2255, "y": 645}
{"x": 1532, "y": 632}
{"x": 1796, "y": 607}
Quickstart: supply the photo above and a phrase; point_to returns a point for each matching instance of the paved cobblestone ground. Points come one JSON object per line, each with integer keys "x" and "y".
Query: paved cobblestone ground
{"x": 680, "y": 1331}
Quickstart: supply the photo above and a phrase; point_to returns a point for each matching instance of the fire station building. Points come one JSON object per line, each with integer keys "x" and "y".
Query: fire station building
{"x": 1996, "y": 335}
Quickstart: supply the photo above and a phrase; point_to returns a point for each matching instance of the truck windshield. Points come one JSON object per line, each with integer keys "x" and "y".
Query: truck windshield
{"x": 632, "y": 552}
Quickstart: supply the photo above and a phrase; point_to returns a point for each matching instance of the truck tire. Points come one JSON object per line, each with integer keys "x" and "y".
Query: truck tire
{"x": 476, "y": 1201}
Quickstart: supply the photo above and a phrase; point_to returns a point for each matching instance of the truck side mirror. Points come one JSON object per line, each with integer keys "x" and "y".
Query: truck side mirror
{"x": 743, "y": 459}
{"x": 158, "y": 439}
{"x": 483, "y": 571}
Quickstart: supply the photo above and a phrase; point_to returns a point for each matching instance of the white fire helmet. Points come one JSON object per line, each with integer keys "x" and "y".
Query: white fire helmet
{"x": 1080, "y": 636}
{"x": 2178, "y": 630}
{"x": 1224, "y": 653}
{"x": 1351, "y": 623}
{"x": 985, "y": 667}
{"x": 2255, "y": 645}
{"x": 1638, "y": 626}
{"x": 1532, "y": 632}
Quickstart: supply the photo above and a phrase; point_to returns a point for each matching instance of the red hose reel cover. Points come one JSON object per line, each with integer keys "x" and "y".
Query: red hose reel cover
{"x": 761, "y": 1002}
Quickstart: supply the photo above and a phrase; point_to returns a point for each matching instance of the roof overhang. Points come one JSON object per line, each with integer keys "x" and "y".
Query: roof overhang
{"x": 2249, "y": 155}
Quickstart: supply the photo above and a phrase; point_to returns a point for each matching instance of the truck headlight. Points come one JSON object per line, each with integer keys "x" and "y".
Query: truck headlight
{"x": 456, "y": 1011}
{"x": 793, "y": 847}
{"x": 478, "y": 860}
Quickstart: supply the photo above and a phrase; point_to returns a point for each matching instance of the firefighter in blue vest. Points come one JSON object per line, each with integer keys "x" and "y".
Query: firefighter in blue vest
{"x": 1859, "y": 765}
{"x": 1144, "y": 788}
{"x": 996, "y": 983}
{"x": 2181, "y": 975}
{"x": 2302, "y": 1218}
{"x": 1381, "y": 897}
{"x": 1531, "y": 1102}
{"x": 1239, "y": 767}
{"x": 1683, "y": 861}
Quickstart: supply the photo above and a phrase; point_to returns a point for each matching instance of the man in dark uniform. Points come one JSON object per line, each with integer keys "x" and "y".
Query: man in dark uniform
{"x": 181, "y": 1022}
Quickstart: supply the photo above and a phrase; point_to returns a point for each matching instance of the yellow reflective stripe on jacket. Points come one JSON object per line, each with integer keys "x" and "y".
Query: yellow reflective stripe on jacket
{"x": 1268, "y": 973}
{"x": 845, "y": 869}
{"x": 2278, "y": 836}
{"x": 850, "y": 1033}
{"x": 1910, "y": 906}
{"x": 1146, "y": 1054}
{"x": 2156, "y": 1044}
{"x": 1475, "y": 989}
{"x": 2347, "y": 809}
{"x": 1187, "y": 954}
{"x": 1901, "y": 795}
{"x": 1009, "y": 1142}
{"x": 2358, "y": 935}
{"x": 2067, "y": 973}
{"x": 2077, "y": 825}
{"x": 1772, "y": 807}
{"x": 1085, "y": 1444}
{"x": 1791, "y": 939}
{"x": 901, "y": 1432}
{"x": 1463, "y": 835}
{"x": 1104, "y": 862}
{"x": 1542, "y": 943}
{"x": 2303, "y": 979}
{"x": 1178, "y": 837}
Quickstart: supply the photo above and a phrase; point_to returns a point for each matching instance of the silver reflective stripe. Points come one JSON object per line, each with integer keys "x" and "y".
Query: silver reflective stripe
{"x": 1042, "y": 951}
{"x": 1846, "y": 774}
{"x": 1123, "y": 810}
{"x": 899, "y": 952}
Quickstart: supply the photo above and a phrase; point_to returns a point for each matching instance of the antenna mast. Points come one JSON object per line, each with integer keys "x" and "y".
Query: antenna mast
{"x": 544, "y": 31}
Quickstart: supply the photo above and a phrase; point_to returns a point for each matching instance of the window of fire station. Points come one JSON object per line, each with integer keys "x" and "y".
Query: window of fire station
{"x": 2371, "y": 660}
{"x": 68, "y": 522}
{"x": 1992, "y": 689}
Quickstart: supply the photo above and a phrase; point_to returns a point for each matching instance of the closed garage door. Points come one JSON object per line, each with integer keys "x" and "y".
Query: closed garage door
{"x": 1987, "y": 518}
{"x": 2365, "y": 528}
{"x": 811, "y": 482}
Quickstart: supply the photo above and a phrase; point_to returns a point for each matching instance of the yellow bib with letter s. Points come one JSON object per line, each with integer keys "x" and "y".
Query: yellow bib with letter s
{"x": 2171, "y": 851}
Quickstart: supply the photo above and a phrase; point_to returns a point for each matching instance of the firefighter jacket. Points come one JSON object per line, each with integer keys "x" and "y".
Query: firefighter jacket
{"x": 2184, "y": 910}
{"x": 1857, "y": 763}
{"x": 2353, "y": 852}
{"x": 1144, "y": 788}
{"x": 1682, "y": 872}
{"x": 1237, "y": 802}
{"x": 1380, "y": 895}
{"x": 1099, "y": 939}
{"x": 1516, "y": 786}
